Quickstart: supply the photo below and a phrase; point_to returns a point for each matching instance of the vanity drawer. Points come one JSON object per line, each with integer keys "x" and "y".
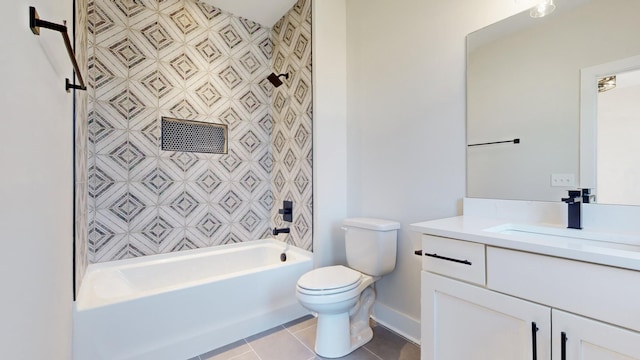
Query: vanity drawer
{"x": 458, "y": 259}
{"x": 600, "y": 292}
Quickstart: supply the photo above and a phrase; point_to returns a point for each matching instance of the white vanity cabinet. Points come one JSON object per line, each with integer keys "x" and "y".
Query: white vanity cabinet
{"x": 482, "y": 302}
{"x": 463, "y": 321}
{"x": 588, "y": 339}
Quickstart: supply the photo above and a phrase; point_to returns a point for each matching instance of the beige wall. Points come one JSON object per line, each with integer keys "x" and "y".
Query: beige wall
{"x": 406, "y": 124}
{"x": 329, "y": 130}
{"x": 36, "y": 216}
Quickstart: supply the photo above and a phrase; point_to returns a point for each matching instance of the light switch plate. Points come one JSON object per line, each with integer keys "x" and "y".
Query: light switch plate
{"x": 563, "y": 180}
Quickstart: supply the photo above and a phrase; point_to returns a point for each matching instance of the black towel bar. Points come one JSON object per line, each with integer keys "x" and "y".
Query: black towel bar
{"x": 515, "y": 141}
{"x": 35, "y": 24}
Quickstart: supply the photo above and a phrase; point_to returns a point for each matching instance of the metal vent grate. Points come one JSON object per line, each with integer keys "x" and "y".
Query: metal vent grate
{"x": 193, "y": 136}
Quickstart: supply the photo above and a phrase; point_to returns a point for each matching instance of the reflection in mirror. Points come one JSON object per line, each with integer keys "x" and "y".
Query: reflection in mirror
{"x": 609, "y": 145}
{"x": 618, "y": 164}
{"x": 523, "y": 81}
{"x": 605, "y": 173}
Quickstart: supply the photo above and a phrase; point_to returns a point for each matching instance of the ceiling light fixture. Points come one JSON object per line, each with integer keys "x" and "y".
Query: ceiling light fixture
{"x": 543, "y": 8}
{"x": 539, "y": 8}
{"x": 606, "y": 83}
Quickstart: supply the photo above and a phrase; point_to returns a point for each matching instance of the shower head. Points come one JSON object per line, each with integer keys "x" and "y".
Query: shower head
{"x": 275, "y": 79}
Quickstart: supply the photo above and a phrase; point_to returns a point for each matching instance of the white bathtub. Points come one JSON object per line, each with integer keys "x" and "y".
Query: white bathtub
{"x": 176, "y": 306}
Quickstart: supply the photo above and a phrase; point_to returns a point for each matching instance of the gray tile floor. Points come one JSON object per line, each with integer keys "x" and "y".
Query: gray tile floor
{"x": 295, "y": 341}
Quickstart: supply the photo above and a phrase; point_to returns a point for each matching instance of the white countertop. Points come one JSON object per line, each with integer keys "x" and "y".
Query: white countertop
{"x": 570, "y": 245}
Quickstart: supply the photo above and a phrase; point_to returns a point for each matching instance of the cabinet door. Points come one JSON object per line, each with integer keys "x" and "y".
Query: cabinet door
{"x": 587, "y": 339}
{"x": 463, "y": 321}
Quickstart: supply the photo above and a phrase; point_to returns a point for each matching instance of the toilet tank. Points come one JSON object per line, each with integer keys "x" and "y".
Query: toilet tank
{"x": 370, "y": 245}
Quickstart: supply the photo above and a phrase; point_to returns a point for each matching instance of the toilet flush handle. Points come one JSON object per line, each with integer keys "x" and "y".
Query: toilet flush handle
{"x": 344, "y": 228}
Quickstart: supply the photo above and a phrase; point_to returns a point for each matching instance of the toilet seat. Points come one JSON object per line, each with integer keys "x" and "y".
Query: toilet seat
{"x": 329, "y": 280}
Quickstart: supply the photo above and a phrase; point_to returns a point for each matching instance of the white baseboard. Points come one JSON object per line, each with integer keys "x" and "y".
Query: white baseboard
{"x": 401, "y": 323}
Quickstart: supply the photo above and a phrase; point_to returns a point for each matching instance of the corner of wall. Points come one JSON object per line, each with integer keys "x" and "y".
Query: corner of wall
{"x": 329, "y": 130}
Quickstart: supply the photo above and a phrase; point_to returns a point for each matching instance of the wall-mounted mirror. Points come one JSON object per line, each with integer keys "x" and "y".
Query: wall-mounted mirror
{"x": 524, "y": 82}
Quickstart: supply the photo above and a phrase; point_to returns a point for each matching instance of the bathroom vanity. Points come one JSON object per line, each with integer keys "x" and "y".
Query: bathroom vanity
{"x": 508, "y": 280}
{"x": 499, "y": 290}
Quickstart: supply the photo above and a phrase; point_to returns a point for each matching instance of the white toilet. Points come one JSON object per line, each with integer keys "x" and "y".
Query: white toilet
{"x": 343, "y": 296}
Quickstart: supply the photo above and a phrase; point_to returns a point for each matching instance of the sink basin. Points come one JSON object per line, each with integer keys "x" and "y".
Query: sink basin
{"x": 598, "y": 239}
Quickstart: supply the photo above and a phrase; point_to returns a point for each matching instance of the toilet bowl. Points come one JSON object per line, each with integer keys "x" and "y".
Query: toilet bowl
{"x": 343, "y": 296}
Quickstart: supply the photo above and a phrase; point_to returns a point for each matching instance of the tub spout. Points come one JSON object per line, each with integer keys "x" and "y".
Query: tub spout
{"x": 277, "y": 231}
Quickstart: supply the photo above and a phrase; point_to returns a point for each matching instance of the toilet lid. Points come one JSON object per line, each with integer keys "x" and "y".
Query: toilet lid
{"x": 329, "y": 278}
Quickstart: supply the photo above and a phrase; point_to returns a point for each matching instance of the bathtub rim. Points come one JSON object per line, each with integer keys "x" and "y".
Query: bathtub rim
{"x": 83, "y": 304}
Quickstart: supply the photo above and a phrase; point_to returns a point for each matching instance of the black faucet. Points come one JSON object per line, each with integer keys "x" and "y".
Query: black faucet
{"x": 277, "y": 231}
{"x": 587, "y": 196}
{"x": 574, "y": 203}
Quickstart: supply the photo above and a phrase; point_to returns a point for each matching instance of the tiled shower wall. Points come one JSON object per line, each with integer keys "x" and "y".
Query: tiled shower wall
{"x": 81, "y": 171}
{"x": 292, "y": 108}
{"x": 188, "y": 60}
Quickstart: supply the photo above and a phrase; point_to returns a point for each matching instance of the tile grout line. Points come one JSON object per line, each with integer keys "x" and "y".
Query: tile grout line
{"x": 245, "y": 353}
{"x": 252, "y": 349}
{"x": 199, "y": 357}
{"x": 372, "y": 353}
{"x": 301, "y": 342}
{"x": 364, "y": 346}
{"x": 397, "y": 334}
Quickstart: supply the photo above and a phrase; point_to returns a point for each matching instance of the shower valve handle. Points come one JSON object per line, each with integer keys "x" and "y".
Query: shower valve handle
{"x": 287, "y": 211}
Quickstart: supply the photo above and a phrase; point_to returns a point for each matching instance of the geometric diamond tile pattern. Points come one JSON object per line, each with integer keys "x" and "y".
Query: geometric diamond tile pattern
{"x": 184, "y": 204}
{"x": 208, "y": 94}
{"x": 291, "y": 123}
{"x": 231, "y": 36}
{"x": 230, "y": 77}
{"x": 209, "y": 51}
{"x": 184, "y": 21}
{"x": 190, "y": 60}
{"x": 156, "y": 35}
{"x": 250, "y": 62}
{"x": 127, "y": 53}
{"x": 83, "y": 213}
{"x": 184, "y": 66}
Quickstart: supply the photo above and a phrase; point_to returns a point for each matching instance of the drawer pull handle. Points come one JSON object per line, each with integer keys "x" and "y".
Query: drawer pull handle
{"x": 534, "y": 340}
{"x": 466, "y": 262}
{"x": 563, "y": 345}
